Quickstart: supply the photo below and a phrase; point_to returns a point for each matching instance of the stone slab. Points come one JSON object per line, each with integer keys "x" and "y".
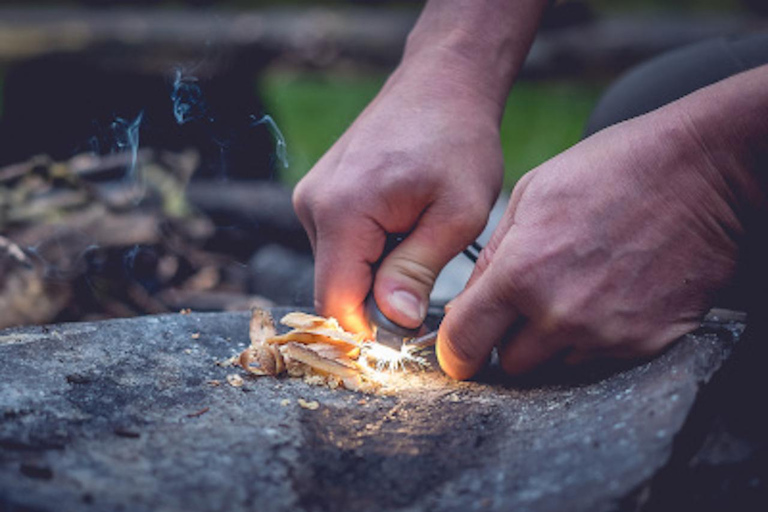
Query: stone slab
{"x": 119, "y": 415}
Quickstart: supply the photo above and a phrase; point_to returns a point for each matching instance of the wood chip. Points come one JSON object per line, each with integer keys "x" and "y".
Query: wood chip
{"x": 319, "y": 363}
{"x": 299, "y": 320}
{"x": 311, "y": 405}
{"x": 262, "y": 326}
{"x": 198, "y": 413}
{"x": 235, "y": 380}
{"x": 195, "y": 336}
{"x": 317, "y": 350}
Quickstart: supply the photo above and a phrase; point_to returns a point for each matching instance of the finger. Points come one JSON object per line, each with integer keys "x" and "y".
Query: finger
{"x": 407, "y": 275}
{"x": 577, "y": 357}
{"x": 304, "y": 213}
{"x": 345, "y": 252}
{"x": 527, "y": 350}
{"x": 505, "y": 224}
{"x": 476, "y": 321}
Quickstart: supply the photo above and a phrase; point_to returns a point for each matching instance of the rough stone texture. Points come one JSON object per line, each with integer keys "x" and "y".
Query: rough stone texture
{"x": 119, "y": 415}
{"x": 282, "y": 275}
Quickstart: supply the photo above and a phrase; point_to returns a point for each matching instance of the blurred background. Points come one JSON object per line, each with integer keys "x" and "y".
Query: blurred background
{"x": 148, "y": 147}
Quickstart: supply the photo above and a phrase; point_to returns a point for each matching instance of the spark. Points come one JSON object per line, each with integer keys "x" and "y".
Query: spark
{"x": 388, "y": 359}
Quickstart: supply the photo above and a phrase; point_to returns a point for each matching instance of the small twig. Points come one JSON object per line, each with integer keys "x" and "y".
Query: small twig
{"x": 198, "y": 413}
{"x": 15, "y": 252}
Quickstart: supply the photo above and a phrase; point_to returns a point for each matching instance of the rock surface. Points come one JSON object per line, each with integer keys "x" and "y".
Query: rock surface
{"x": 121, "y": 415}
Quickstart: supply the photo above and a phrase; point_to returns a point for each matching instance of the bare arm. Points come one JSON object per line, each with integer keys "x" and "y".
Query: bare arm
{"x": 482, "y": 43}
{"x": 423, "y": 158}
{"x": 617, "y": 247}
{"x": 730, "y": 119}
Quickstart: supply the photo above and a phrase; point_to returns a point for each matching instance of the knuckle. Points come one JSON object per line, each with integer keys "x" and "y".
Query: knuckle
{"x": 457, "y": 338}
{"x": 327, "y": 209}
{"x": 301, "y": 202}
{"x": 413, "y": 270}
{"x": 472, "y": 216}
{"x": 566, "y": 320}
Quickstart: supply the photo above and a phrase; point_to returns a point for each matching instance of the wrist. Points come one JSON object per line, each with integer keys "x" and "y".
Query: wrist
{"x": 729, "y": 121}
{"x": 476, "y": 45}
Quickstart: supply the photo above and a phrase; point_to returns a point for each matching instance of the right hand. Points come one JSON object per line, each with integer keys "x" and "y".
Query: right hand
{"x": 424, "y": 158}
{"x": 612, "y": 249}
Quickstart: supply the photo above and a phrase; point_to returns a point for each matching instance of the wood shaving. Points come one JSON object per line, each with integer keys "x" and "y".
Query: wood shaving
{"x": 317, "y": 350}
{"x": 226, "y": 363}
{"x": 235, "y": 380}
{"x": 312, "y": 405}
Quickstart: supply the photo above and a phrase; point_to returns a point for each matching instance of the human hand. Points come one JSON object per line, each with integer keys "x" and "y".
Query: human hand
{"x": 424, "y": 158}
{"x": 611, "y": 249}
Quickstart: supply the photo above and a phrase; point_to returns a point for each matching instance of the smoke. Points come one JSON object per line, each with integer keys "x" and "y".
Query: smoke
{"x": 126, "y": 136}
{"x": 190, "y": 106}
{"x": 50, "y": 253}
{"x": 187, "y": 99}
{"x": 123, "y": 135}
{"x": 281, "y": 149}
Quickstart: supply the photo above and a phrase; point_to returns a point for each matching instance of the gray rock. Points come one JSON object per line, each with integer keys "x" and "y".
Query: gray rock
{"x": 282, "y": 275}
{"x": 119, "y": 415}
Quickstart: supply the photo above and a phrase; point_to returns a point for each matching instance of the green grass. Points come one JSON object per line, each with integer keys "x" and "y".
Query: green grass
{"x": 541, "y": 119}
{"x": 313, "y": 111}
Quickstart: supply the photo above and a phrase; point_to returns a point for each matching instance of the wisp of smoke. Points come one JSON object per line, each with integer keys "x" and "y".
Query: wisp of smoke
{"x": 187, "y": 98}
{"x": 126, "y": 135}
{"x": 281, "y": 149}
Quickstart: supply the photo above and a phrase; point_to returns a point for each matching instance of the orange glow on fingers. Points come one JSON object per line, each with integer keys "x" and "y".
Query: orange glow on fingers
{"x": 354, "y": 321}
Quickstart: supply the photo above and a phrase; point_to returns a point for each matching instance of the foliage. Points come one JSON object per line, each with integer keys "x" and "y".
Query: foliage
{"x": 541, "y": 119}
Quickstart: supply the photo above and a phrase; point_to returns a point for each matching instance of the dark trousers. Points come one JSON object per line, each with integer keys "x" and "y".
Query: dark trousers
{"x": 735, "y": 397}
{"x": 669, "y": 77}
{"x": 675, "y": 74}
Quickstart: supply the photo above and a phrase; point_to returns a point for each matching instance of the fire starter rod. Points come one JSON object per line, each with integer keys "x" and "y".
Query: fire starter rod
{"x": 394, "y": 335}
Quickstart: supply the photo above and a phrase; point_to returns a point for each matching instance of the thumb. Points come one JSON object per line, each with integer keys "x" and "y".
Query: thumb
{"x": 501, "y": 230}
{"x": 407, "y": 275}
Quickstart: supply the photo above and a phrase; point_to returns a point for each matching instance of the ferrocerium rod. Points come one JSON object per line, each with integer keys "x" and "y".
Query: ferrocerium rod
{"x": 422, "y": 342}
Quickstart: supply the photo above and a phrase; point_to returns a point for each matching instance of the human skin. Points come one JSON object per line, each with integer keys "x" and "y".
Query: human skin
{"x": 614, "y": 248}
{"x": 424, "y": 158}
{"x": 617, "y": 247}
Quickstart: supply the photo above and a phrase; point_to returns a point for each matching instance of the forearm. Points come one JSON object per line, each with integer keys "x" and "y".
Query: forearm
{"x": 477, "y": 44}
{"x": 730, "y": 119}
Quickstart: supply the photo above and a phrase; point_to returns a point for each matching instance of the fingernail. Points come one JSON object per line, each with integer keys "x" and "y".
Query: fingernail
{"x": 408, "y": 305}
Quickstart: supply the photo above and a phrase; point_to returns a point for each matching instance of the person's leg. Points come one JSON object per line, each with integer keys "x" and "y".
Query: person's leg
{"x": 675, "y": 74}
{"x": 645, "y": 88}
